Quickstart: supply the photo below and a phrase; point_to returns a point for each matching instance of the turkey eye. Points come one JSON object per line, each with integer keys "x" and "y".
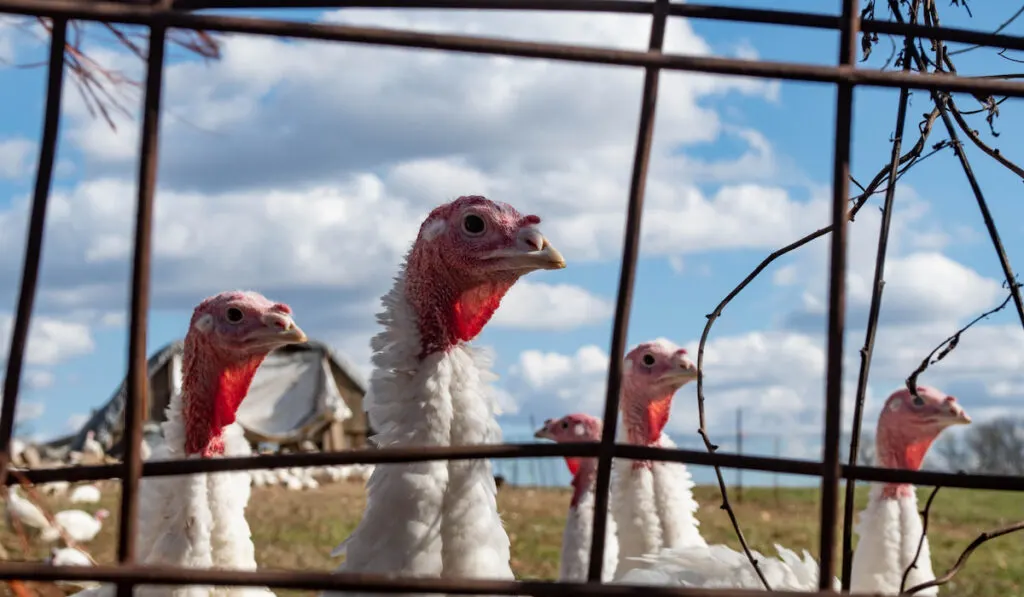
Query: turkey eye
{"x": 473, "y": 224}
{"x": 234, "y": 315}
{"x": 918, "y": 401}
{"x": 648, "y": 360}
{"x": 565, "y": 424}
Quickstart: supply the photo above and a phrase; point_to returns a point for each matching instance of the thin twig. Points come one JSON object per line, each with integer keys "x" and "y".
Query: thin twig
{"x": 976, "y": 139}
{"x": 978, "y": 542}
{"x": 858, "y": 201}
{"x": 925, "y": 515}
{"x": 98, "y": 85}
{"x": 999, "y": 29}
{"x": 949, "y": 344}
{"x": 873, "y": 312}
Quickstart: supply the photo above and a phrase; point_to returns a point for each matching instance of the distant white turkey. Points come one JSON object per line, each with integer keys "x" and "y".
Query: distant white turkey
{"x": 79, "y": 525}
{"x": 85, "y": 494}
{"x": 579, "y": 524}
{"x": 889, "y": 528}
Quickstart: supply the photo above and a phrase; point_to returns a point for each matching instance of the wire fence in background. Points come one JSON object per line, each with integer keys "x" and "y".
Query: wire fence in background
{"x": 163, "y": 16}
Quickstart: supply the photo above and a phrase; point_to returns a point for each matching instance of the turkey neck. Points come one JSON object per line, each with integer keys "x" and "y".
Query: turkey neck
{"x": 449, "y": 311}
{"x": 584, "y": 475}
{"x": 901, "y": 450}
{"x": 212, "y": 390}
{"x": 644, "y": 416}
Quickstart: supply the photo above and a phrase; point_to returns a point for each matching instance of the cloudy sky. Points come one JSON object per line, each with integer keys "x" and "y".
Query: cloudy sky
{"x": 303, "y": 170}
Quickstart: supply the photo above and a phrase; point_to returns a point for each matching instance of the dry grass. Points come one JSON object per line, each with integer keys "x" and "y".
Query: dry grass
{"x": 297, "y": 530}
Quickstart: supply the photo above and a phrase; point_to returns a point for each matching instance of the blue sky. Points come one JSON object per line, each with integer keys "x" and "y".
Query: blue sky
{"x": 285, "y": 159}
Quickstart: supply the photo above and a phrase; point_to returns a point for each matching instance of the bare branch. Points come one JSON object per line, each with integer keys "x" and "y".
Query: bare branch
{"x": 973, "y": 136}
{"x": 999, "y": 29}
{"x": 103, "y": 90}
{"x": 978, "y": 542}
{"x": 874, "y": 310}
{"x": 925, "y": 515}
{"x": 949, "y": 344}
{"x": 913, "y": 155}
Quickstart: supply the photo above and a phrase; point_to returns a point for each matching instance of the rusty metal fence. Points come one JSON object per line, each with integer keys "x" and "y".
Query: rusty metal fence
{"x": 160, "y": 15}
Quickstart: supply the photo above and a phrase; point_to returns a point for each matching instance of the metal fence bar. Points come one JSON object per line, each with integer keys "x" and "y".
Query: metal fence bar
{"x": 131, "y": 14}
{"x": 159, "y": 17}
{"x": 373, "y": 583}
{"x": 788, "y": 466}
{"x": 837, "y": 303}
{"x": 135, "y": 399}
{"x": 627, "y": 280}
{"x": 33, "y": 241}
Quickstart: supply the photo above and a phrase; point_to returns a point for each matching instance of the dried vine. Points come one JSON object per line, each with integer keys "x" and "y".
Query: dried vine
{"x": 874, "y": 310}
{"x": 925, "y": 516}
{"x": 911, "y": 57}
{"x": 100, "y": 86}
{"x": 964, "y": 555}
{"x": 949, "y": 344}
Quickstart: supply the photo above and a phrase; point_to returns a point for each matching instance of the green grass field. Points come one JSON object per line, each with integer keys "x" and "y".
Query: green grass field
{"x": 297, "y": 530}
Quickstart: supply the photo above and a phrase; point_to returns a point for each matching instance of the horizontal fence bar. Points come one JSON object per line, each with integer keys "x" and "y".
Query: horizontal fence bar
{"x": 791, "y": 466}
{"x": 364, "y": 583}
{"x": 695, "y": 11}
{"x": 113, "y": 12}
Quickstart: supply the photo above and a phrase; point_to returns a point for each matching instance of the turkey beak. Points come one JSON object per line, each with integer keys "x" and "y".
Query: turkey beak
{"x": 542, "y": 433}
{"x": 278, "y": 329}
{"x": 684, "y": 372}
{"x": 531, "y": 252}
{"x": 957, "y": 415}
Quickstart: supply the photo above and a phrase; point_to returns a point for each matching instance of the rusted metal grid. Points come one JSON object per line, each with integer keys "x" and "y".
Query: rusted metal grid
{"x": 164, "y": 14}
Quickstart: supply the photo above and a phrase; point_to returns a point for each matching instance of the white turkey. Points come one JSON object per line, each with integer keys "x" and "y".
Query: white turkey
{"x": 652, "y": 502}
{"x": 889, "y": 529}
{"x": 430, "y": 388}
{"x": 71, "y": 556}
{"x": 199, "y": 520}
{"x": 85, "y": 494}
{"x": 55, "y": 488}
{"x": 25, "y": 511}
{"x": 579, "y": 523}
{"x": 79, "y": 525}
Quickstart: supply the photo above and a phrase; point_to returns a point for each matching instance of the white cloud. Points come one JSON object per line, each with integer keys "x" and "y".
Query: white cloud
{"x": 38, "y": 379}
{"x": 17, "y": 156}
{"x": 576, "y": 380}
{"x": 244, "y": 149}
{"x": 75, "y": 422}
{"x": 29, "y": 410}
{"x": 534, "y": 305}
{"x": 50, "y": 340}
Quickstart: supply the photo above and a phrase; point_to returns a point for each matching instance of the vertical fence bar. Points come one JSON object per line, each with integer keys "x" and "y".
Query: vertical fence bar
{"x": 134, "y": 401}
{"x": 627, "y": 277}
{"x": 837, "y": 301}
{"x": 873, "y": 313}
{"x": 34, "y": 240}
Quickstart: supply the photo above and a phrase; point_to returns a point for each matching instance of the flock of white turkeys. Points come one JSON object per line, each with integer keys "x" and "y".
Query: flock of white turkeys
{"x": 430, "y": 387}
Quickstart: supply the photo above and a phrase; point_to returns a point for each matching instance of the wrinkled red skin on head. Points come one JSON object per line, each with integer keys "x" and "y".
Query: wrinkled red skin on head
{"x": 904, "y": 437}
{"x": 451, "y": 294}
{"x": 215, "y": 379}
{"x": 646, "y": 397}
{"x": 213, "y": 392}
{"x": 583, "y": 470}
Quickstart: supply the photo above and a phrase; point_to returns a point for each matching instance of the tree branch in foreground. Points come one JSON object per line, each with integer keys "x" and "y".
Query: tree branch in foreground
{"x": 101, "y": 87}
{"x": 978, "y": 542}
{"x": 914, "y": 155}
{"x": 925, "y": 514}
{"x": 949, "y": 344}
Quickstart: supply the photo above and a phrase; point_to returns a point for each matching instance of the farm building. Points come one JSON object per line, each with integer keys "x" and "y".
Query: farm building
{"x": 300, "y": 392}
